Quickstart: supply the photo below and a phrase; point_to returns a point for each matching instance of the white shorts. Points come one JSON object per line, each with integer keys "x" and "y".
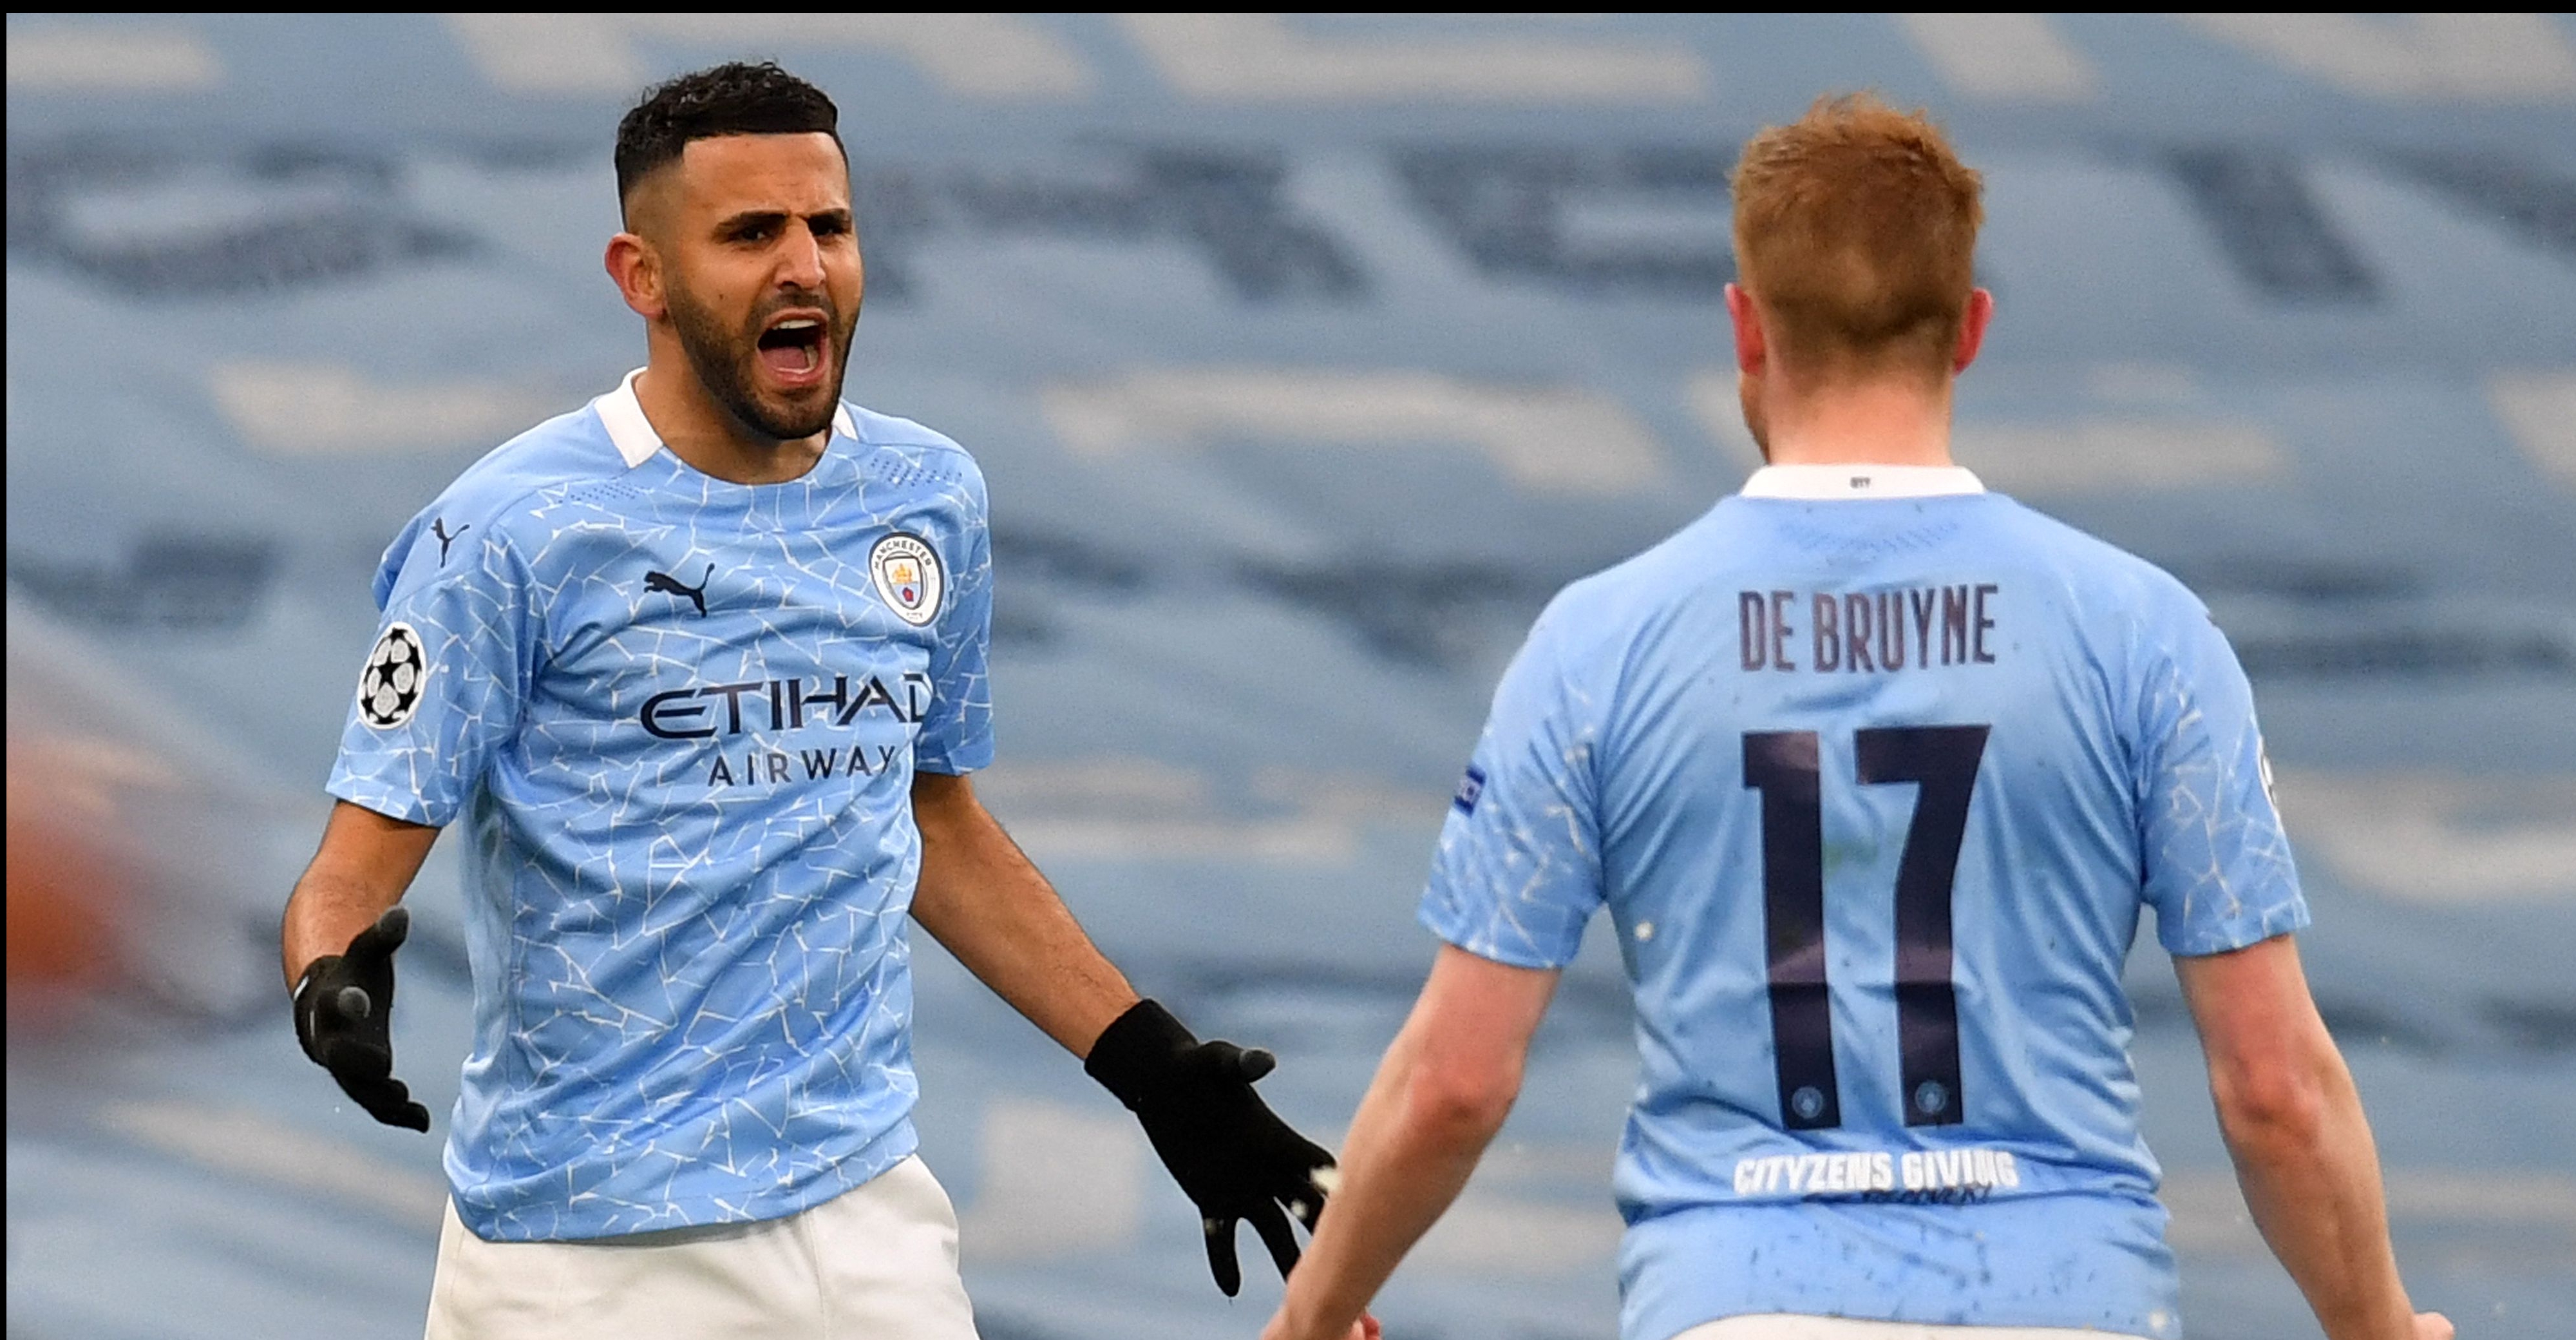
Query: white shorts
{"x": 878, "y": 1263}
{"x": 1783, "y": 1326}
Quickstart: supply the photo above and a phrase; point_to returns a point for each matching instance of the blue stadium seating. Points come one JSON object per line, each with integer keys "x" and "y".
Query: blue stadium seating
{"x": 1268, "y": 332}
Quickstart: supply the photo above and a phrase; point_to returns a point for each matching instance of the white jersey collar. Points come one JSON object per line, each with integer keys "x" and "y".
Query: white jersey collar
{"x": 623, "y": 415}
{"x": 1817, "y": 483}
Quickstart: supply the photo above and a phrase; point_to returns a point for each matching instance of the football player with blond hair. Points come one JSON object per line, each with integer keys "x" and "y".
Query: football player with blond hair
{"x": 1876, "y": 773}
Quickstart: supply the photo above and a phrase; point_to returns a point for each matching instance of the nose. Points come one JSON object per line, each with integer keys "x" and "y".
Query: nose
{"x": 800, "y": 264}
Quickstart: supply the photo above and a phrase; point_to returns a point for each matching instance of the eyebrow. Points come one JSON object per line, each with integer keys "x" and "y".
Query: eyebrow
{"x": 758, "y": 218}
{"x": 750, "y": 219}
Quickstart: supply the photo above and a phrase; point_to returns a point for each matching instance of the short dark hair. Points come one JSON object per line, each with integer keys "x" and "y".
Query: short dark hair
{"x": 735, "y": 98}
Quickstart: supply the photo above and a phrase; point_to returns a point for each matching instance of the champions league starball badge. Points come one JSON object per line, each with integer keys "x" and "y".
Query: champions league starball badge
{"x": 908, "y": 577}
{"x": 389, "y": 688}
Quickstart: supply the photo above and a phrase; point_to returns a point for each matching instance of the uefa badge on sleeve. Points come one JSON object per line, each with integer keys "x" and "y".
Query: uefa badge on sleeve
{"x": 390, "y": 687}
{"x": 908, "y": 577}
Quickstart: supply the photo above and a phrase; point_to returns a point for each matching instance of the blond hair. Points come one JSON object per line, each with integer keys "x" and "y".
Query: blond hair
{"x": 1856, "y": 235}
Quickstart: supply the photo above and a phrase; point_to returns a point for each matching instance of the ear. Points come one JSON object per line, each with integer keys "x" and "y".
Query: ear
{"x": 1752, "y": 353}
{"x": 637, "y": 272}
{"x": 1972, "y": 330}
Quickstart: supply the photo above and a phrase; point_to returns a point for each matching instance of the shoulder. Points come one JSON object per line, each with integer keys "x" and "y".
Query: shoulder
{"x": 494, "y": 514}
{"x": 2108, "y": 580}
{"x": 901, "y": 451}
{"x": 1590, "y": 626}
{"x": 512, "y": 483}
{"x": 2136, "y": 623}
{"x": 1631, "y": 594}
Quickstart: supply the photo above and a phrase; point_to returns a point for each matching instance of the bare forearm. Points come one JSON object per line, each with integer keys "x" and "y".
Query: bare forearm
{"x": 2314, "y": 1190}
{"x": 326, "y": 910}
{"x": 984, "y": 900}
{"x": 1410, "y": 1152}
{"x": 365, "y": 863}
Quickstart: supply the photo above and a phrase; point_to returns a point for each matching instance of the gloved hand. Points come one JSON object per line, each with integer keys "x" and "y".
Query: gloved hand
{"x": 344, "y": 1008}
{"x": 1233, "y": 1156}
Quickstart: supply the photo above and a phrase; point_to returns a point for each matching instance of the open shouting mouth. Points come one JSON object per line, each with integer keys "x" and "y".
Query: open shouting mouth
{"x": 793, "y": 349}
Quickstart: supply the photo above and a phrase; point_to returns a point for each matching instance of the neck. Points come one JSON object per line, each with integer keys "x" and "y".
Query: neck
{"x": 706, "y": 435}
{"x": 1876, "y": 422}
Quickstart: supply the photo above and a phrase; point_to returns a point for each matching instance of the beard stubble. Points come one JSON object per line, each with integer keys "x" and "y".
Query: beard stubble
{"x": 722, "y": 360}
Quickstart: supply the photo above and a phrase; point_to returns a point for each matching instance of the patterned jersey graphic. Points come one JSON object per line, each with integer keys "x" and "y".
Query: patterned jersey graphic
{"x": 681, "y": 723}
{"x": 1875, "y": 793}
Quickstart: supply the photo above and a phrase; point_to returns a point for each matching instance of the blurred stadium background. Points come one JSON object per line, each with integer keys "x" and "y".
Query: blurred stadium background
{"x": 1306, "y": 356}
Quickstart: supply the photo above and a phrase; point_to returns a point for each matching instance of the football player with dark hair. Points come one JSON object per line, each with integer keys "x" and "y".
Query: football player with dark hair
{"x": 701, "y": 665}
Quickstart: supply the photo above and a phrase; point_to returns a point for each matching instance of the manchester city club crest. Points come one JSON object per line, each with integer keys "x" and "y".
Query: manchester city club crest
{"x": 908, "y": 578}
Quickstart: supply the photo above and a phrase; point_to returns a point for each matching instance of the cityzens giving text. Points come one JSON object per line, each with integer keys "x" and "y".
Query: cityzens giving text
{"x": 1941, "y": 1176}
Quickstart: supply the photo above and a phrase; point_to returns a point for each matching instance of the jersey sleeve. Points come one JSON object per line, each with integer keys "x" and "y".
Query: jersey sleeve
{"x": 2216, "y": 864}
{"x": 1518, "y": 870}
{"x": 442, "y": 688}
{"x": 957, "y": 735}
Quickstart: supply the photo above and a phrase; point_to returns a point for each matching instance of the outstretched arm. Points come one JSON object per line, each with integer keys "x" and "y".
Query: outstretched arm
{"x": 1234, "y": 1158}
{"x": 365, "y": 863}
{"x": 2303, "y": 1152}
{"x": 986, "y": 902}
{"x": 1442, "y": 1092}
{"x": 342, "y": 928}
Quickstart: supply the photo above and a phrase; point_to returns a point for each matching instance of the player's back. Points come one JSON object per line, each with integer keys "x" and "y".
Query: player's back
{"x": 1881, "y": 786}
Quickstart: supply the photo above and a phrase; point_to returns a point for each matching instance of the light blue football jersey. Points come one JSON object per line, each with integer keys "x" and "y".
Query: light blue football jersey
{"x": 681, "y": 718}
{"x": 1875, "y": 771}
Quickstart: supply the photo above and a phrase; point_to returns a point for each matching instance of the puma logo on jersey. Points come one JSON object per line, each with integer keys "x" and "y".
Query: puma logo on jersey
{"x": 438, "y": 527}
{"x": 665, "y": 582}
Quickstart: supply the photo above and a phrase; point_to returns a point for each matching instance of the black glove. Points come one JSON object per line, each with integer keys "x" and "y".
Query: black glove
{"x": 1233, "y": 1156}
{"x": 344, "y": 1006}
